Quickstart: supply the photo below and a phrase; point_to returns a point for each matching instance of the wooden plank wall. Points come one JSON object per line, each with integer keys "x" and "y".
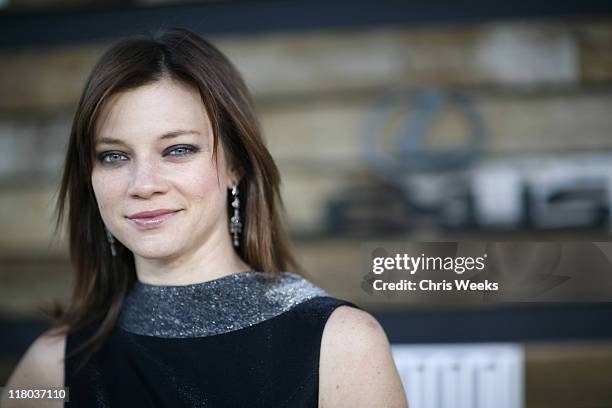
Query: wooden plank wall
{"x": 541, "y": 86}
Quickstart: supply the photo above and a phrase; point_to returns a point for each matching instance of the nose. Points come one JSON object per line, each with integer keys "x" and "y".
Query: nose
{"x": 146, "y": 179}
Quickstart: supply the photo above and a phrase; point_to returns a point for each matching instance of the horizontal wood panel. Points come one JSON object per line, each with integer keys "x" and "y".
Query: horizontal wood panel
{"x": 568, "y": 375}
{"x": 502, "y": 54}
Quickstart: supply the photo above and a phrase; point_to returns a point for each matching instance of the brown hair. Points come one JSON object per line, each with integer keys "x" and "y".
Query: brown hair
{"x": 102, "y": 281}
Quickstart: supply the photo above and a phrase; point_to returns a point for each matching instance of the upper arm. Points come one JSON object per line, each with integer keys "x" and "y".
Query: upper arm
{"x": 356, "y": 365}
{"x": 41, "y": 367}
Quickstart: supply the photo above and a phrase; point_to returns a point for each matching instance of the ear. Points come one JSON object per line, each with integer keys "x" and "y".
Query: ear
{"x": 233, "y": 177}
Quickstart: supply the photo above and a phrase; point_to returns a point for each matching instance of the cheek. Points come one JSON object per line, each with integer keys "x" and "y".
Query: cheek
{"x": 206, "y": 191}
{"x": 202, "y": 187}
{"x": 105, "y": 189}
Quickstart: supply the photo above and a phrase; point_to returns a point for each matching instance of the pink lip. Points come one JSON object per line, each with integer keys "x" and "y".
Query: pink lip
{"x": 151, "y": 219}
{"x": 152, "y": 213}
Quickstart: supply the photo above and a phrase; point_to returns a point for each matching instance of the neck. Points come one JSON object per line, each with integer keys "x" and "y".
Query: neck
{"x": 213, "y": 259}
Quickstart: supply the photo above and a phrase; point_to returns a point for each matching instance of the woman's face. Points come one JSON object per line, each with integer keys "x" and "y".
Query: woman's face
{"x": 153, "y": 150}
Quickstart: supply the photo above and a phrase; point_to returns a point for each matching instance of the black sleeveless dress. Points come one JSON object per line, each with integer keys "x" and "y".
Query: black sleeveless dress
{"x": 242, "y": 340}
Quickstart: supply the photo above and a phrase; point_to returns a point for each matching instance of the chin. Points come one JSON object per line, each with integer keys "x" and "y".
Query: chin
{"x": 153, "y": 250}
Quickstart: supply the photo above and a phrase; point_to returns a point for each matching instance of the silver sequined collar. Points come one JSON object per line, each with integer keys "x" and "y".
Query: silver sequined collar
{"x": 213, "y": 307}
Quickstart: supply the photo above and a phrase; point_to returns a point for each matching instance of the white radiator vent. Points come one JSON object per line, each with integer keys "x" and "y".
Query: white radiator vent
{"x": 461, "y": 376}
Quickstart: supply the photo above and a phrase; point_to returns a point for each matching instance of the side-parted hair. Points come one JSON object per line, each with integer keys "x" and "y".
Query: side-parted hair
{"x": 102, "y": 281}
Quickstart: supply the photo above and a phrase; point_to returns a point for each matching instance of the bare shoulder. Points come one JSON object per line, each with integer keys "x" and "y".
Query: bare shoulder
{"x": 356, "y": 364}
{"x": 41, "y": 366}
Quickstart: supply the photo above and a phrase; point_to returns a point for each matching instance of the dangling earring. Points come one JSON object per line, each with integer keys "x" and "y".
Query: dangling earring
{"x": 235, "y": 224}
{"x": 111, "y": 241}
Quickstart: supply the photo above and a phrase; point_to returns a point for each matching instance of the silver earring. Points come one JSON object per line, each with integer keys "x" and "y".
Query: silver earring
{"x": 111, "y": 241}
{"x": 235, "y": 224}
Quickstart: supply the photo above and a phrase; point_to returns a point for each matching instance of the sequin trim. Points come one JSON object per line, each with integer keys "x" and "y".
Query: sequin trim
{"x": 217, "y": 306}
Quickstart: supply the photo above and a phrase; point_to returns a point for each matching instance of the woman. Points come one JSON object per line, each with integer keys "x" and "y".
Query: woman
{"x": 186, "y": 292}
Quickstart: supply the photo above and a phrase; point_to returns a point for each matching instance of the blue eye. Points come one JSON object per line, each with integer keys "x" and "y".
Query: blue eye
{"x": 111, "y": 157}
{"x": 182, "y": 150}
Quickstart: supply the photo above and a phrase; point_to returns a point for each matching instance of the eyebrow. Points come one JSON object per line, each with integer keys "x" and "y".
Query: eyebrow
{"x": 168, "y": 135}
